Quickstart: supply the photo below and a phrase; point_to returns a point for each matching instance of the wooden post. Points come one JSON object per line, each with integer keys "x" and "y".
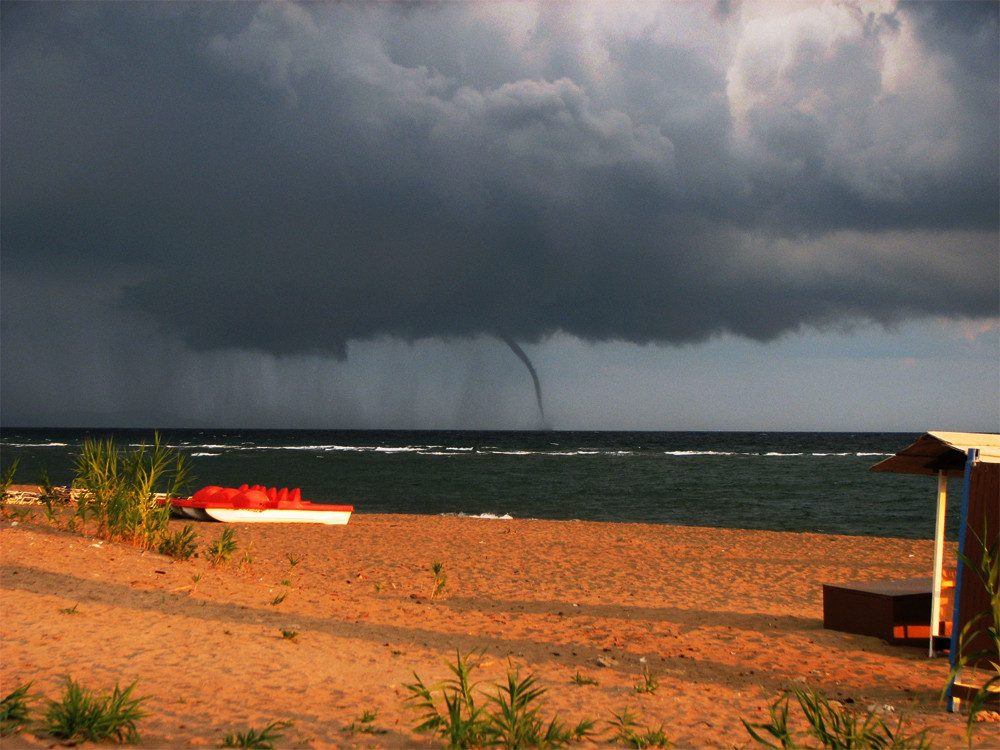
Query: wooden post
{"x": 953, "y": 700}
{"x": 942, "y": 507}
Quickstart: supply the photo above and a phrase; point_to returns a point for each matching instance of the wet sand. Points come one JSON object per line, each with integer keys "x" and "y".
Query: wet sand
{"x": 724, "y": 620}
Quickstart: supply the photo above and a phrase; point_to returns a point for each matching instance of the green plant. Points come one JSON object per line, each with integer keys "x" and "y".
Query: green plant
{"x": 440, "y": 579}
{"x": 292, "y": 560}
{"x": 22, "y": 514}
{"x": 984, "y": 628}
{"x": 7, "y": 479}
{"x": 648, "y": 683}
{"x": 462, "y": 724}
{"x": 833, "y": 726}
{"x": 517, "y": 723}
{"x": 47, "y": 496}
{"x": 256, "y": 740}
{"x": 222, "y": 548}
{"x": 120, "y": 488}
{"x": 365, "y": 724}
{"x": 579, "y": 679}
{"x": 69, "y": 610}
{"x": 180, "y": 545}
{"x": 290, "y": 635}
{"x": 14, "y": 710}
{"x": 247, "y": 560}
{"x": 84, "y": 715}
{"x": 628, "y": 731}
{"x": 279, "y": 598}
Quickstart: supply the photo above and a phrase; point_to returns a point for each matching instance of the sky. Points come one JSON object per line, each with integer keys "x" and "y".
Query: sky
{"x": 677, "y": 216}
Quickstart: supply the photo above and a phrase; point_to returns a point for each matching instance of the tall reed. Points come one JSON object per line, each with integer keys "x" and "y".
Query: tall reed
{"x": 120, "y": 488}
{"x": 978, "y": 657}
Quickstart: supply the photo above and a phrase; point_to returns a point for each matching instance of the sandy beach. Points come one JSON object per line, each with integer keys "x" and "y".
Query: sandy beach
{"x": 724, "y": 620}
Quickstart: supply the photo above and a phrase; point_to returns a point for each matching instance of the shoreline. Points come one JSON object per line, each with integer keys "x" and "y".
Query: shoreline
{"x": 29, "y": 494}
{"x": 724, "y": 619}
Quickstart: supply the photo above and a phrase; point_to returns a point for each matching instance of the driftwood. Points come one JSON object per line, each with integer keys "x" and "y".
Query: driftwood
{"x": 34, "y": 494}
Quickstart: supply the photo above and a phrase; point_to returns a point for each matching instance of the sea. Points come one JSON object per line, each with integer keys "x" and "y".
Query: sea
{"x": 783, "y": 481}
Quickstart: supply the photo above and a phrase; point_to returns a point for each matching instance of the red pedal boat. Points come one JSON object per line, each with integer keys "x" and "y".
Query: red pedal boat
{"x": 257, "y": 505}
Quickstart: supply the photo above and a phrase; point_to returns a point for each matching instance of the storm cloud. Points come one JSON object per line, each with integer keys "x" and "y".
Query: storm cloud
{"x": 288, "y": 178}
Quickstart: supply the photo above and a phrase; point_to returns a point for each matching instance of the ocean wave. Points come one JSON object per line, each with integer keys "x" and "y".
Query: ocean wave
{"x": 34, "y": 445}
{"x": 701, "y": 453}
{"x": 484, "y": 516}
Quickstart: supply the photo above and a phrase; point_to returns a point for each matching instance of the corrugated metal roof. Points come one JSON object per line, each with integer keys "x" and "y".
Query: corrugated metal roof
{"x": 942, "y": 451}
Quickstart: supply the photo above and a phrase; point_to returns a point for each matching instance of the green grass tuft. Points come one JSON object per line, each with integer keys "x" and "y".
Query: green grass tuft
{"x": 440, "y": 579}
{"x": 365, "y": 724}
{"x": 832, "y": 725}
{"x": 627, "y": 730}
{"x": 449, "y": 709}
{"x": 222, "y": 548}
{"x": 648, "y": 684}
{"x": 254, "y": 739}
{"x": 180, "y": 545}
{"x": 83, "y": 715}
{"x": 14, "y": 710}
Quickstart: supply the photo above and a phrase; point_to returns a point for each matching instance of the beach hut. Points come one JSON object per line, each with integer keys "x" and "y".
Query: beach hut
{"x": 975, "y": 458}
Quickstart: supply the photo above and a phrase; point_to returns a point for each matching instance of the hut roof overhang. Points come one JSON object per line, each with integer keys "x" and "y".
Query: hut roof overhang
{"x": 944, "y": 452}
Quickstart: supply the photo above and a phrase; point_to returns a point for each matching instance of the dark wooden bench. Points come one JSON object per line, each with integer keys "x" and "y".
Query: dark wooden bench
{"x": 896, "y": 611}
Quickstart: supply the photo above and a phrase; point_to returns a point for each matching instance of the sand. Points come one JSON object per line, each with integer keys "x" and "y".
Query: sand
{"x": 724, "y": 620}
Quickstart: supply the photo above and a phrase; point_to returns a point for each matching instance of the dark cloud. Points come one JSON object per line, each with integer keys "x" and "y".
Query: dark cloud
{"x": 288, "y": 178}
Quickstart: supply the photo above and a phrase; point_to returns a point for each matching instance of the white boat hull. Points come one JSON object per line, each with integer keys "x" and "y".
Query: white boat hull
{"x": 246, "y": 515}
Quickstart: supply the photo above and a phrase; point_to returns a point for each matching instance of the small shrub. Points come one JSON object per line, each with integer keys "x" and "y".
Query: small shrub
{"x": 462, "y": 724}
{"x": 979, "y": 639}
{"x": 290, "y": 635}
{"x": 440, "y": 579}
{"x": 834, "y": 726}
{"x": 69, "y": 610}
{"x": 180, "y": 545}
{"x": 222, "y": 548}
{"x": 256, "y": 740}
{"x": 7, "y": 479}
{"x": 82, "y": 715}
{"x": 365, "y": 724}
{"x": 14, "y": 710}
{"x": 628, "y": 731}
{"x": 279, "y": 599}
{"x": 21, "y": 514}
{"x": 120, "y": 488}
{"x": 47, "y": 496}
{"x": 515, "y": 724}
{"x": 648, "y": 683}
{"x": 579, "y": 679}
